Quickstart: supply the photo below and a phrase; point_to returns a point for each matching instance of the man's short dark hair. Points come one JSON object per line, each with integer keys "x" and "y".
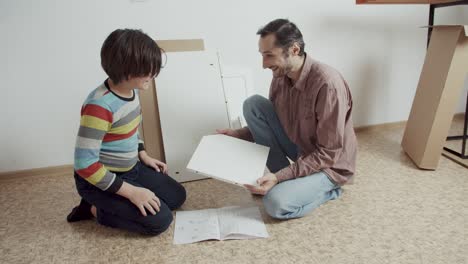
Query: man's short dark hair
{"x": 130, "y": 53}
{"x": 286, "y": 34}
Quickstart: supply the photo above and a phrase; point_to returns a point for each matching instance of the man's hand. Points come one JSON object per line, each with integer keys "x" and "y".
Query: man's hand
{"x": 153, "y": 163}
{"x": 266, "y": 183}
{"x": 229, "y": 132}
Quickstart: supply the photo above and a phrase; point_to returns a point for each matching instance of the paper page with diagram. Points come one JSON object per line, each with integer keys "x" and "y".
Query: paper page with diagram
{"x": 241, "y": 223}
{"x": 219, "y": 224}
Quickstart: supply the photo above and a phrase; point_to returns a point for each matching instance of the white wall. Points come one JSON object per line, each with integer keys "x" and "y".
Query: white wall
{"x": 49, "y": 54}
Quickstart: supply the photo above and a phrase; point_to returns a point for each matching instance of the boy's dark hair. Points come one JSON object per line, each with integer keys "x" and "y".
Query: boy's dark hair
{"x": 130, "y": 53}
{"x": 286, "y": 34}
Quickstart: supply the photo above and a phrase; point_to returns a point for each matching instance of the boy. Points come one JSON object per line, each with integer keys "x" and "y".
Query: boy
{"x": 120, "y": 185}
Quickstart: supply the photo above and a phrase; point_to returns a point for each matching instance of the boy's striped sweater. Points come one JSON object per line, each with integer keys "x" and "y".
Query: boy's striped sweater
{"x": 108, "y": 140}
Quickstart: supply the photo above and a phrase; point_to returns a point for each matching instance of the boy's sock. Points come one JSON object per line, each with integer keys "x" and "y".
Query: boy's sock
{"x": 80, "y": 212}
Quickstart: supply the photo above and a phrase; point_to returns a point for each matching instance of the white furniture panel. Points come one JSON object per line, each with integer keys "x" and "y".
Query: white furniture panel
{"x": 237, "y": 161}
{"x": 191, "y": 105}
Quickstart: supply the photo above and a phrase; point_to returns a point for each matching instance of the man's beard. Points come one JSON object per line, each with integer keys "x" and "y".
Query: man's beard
{"x": 282, "y": 72}
{"x": 287, "y": 69}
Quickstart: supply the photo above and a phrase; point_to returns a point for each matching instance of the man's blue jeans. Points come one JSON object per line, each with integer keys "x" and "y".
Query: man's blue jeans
{"x": 292, "y": 198}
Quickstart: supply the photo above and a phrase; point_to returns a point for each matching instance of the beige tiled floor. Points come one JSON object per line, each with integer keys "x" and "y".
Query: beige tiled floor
{"x": 394, "y": 213}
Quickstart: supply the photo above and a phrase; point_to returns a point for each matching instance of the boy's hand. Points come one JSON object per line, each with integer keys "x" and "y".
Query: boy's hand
{"x": 141, "y": 198}
{"x": 153, "y": 163}
{"x": 266, "y": 183}
{"x": 145, "y": 199}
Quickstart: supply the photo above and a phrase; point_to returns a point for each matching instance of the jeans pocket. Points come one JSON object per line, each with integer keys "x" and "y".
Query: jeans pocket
{"x": 328, "y": 182}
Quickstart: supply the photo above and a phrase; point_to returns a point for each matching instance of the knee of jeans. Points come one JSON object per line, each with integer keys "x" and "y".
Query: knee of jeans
{"x": 252, "y": 103}
{"x": 275, "y": 206}
{"x": 181, "y": 196}
{"x": 157, "y": 224}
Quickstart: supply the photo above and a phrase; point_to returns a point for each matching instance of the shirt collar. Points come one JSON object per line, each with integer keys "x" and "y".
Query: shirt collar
{"x": 300, "y": 84}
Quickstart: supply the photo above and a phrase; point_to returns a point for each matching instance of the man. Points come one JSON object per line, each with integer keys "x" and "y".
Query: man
{"x": 306, "y": 119}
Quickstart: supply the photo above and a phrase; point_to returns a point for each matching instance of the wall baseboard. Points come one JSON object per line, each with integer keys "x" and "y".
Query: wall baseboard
{"x": 68, "y": 169}
{"x": 398, "y": 124}
{"x": 53, "y": 170}
{"x": 379, "y": 127}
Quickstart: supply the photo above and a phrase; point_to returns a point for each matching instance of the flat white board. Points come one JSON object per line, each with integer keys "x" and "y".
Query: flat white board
{"x": 229, "y": 159}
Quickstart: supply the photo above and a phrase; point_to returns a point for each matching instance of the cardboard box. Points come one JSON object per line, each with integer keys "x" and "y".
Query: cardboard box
{"x": 438, "y": 93}
{"x": 151, "y": 124}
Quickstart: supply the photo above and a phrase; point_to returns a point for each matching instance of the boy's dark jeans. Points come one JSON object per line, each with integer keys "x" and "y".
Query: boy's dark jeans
{"x": 116, "y": 211}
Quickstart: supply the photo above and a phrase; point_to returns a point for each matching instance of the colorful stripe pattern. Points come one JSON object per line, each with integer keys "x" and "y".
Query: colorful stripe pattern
{"x": 108, "y": 137}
